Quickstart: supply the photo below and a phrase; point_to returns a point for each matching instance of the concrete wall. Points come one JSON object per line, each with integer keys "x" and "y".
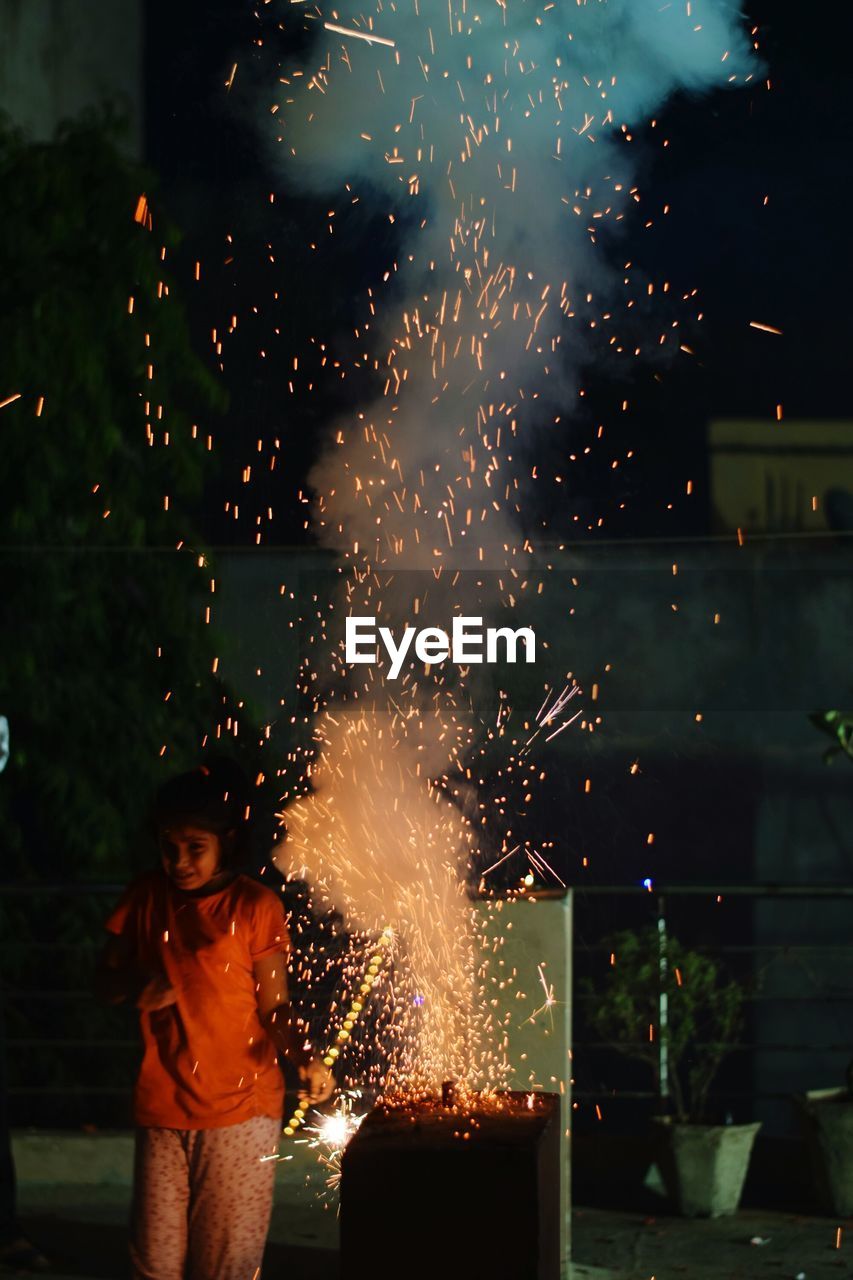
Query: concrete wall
{"x": 751, "y": 639}
{"x": 59, "y": 56}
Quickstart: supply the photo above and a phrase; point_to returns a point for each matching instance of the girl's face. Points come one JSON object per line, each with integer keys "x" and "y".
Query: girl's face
{"x": 191, "y": 856}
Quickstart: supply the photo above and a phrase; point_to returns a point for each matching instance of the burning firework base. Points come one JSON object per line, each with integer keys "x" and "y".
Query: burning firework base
{"x": 465, "y": 1186}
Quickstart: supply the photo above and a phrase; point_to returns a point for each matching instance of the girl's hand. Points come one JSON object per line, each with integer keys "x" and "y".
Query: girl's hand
{"x": 319, "y": 1082}
{"x": 158, "y": 993}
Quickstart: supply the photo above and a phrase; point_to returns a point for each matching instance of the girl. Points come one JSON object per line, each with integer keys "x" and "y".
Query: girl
{"x": 202, "y": 951}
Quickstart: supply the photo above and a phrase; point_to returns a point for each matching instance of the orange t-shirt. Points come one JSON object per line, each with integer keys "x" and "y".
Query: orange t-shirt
{"x": 207, "y": 1060}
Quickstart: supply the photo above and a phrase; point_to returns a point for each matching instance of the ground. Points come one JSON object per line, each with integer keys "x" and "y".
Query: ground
{"x": 624, "y": 1246}
{"x": 83, "y": 1227}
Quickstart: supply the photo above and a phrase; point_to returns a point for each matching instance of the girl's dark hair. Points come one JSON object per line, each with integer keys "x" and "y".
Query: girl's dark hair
{"x": 215, "y": 797}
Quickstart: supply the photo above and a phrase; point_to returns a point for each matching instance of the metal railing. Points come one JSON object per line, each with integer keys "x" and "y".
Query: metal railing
{"x": 60, "y": 1044}
{"x": 754, "y": 957}
{"x": 696, "y": 913}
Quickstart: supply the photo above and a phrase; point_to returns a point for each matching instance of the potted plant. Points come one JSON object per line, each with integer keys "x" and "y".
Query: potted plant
{"x": 674, "y": 1011}
{"x": 828, "y": 1123}
{"x": 828, "y": 1113}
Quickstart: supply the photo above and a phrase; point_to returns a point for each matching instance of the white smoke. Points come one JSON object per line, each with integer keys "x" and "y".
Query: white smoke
{"x": 496, "y": 135}
{"x": 497, "y": 132}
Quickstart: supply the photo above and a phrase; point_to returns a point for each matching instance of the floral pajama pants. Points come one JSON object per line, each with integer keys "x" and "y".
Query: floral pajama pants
{"x": 202, "y": 1200}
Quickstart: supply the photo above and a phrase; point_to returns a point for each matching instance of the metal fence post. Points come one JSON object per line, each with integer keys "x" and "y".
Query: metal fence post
{"x": 663, "y": 1004}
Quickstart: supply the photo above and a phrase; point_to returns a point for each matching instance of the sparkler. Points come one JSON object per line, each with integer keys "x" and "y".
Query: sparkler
{"x": 369, "y": 981}
{"x": 334, "y": 1131}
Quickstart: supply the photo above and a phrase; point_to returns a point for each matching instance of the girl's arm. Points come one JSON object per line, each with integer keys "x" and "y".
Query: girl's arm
{"x": 119, "y": 981}
{"x": 288, "y": 1033}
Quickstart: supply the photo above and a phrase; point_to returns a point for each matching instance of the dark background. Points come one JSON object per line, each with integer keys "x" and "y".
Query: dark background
{"x": 756, "y": 180}
{"x": 784, "y": 262}
{"x": 743, "y": 799}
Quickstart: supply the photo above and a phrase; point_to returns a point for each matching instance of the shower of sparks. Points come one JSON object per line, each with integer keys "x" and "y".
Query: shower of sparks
{"x": 550, "y": 999}
{"x": 562, "y": 700}
{"x": 544, "y": 869}
{"x": 546, "y": 717}
{"x": 497, "y": 146}
{"x": 384, "y": 846}
{"x": 501, "y": 861}
{"x": 369, "y": 981}
{"x": 564, "y": 725}
{"x": 358, "y": 35}
{"x": 503, "y": 136}
{"x": 331, "y": 1135}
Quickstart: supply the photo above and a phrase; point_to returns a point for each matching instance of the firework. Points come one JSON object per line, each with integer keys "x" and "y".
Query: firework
{"x": 499, "y": 140}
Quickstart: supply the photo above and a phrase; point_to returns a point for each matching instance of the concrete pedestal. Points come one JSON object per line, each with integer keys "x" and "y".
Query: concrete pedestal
{"x": 436, "y": 1192}
{"x": 527, "y": 967}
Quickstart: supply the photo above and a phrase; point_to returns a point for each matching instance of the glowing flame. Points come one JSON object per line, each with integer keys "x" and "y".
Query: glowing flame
{"x": 336, "y": 1129}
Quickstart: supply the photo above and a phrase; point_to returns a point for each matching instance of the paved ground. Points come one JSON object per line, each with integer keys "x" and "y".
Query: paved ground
{"x": 631, "y": 1247}
{"x": 83, "y": 1228}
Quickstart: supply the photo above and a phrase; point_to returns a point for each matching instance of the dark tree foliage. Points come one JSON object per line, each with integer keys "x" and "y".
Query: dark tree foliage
{"x": 839, "y": 726}
{"x": 107, "y": 665}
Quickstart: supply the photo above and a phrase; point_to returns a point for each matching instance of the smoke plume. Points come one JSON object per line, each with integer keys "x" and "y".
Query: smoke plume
{"x": 497, "y": 133}
{"x": 497, "y": 136}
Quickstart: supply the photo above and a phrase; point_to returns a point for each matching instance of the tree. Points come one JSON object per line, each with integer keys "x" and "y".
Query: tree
{"x": 107, "y": 668}
{"x": 839, "y": 726}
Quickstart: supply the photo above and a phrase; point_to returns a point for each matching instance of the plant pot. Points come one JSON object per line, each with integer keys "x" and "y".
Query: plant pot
{"x": 828, "y": 1122}
{"x": 704, "y": 1166}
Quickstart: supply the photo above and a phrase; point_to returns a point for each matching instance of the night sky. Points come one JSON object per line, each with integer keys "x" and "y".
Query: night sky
{"x": 756, "y": 184}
